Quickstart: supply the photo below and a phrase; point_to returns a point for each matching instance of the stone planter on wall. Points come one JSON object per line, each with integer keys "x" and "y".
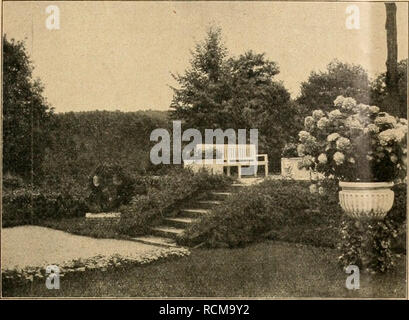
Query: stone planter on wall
{"x": 366, "y": 199}
{"x": 289, "y": 169}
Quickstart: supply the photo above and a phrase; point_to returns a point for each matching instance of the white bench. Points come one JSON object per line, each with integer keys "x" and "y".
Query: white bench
{"x": 227, "y": 155}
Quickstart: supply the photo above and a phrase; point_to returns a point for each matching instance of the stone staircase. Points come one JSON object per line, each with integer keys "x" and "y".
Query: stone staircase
{"x": 171, "y": 227}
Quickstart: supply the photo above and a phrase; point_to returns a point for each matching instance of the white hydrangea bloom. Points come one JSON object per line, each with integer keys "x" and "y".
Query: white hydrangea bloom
{"x": 304, "y": 136}
{"x": 373, "y": 109}
{"x": 343, "y": 144}
{"x": 348, "y": 104}
{"x": 322, "y": 123}
{"x": 339, "y": 158}
{"x": 333, "y": 137}
{"x": 339, "y": 101}
{"x": 322, "y": 158}
{"x": 334, "y": 114}
{"x": 301, "y": 150}
{"x": 385, "y": 119}
{"x": 309, "y": 122}
{"x": 318, "y": 114}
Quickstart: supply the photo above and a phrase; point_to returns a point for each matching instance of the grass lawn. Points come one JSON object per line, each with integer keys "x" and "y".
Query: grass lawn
{"x": 267, "y": 269}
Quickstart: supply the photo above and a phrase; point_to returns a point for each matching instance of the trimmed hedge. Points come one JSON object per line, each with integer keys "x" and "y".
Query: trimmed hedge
{"x": 26, "y": 206}
{"x": 164, "y": 195}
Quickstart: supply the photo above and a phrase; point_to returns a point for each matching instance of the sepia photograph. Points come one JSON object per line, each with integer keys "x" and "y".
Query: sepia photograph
{"x": 204, "y": 149}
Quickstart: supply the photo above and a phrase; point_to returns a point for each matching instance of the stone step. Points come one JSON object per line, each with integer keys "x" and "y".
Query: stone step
{"x": 156, "y": 241}
{"x": 167, "y": 231}
{"x": 209, "y": 203}
{"x": 179, "y": 222}
{"x": 220, "y": 195}
{"x": 194, "y": 212}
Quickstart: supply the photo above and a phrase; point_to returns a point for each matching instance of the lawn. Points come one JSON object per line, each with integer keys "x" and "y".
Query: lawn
{"x": 266, "y": 269}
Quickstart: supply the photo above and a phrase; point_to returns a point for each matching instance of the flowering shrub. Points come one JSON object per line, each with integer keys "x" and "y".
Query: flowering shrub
{"x": 354, "y": 142}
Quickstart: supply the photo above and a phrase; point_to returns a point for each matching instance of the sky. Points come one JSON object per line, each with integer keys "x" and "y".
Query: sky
{"x": 120, "y": 55}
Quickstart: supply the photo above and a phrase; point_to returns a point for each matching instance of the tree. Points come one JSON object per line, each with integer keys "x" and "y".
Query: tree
{"x": 381, "y": 97}
{"x": 391, "y": 78}
{"x": 27, "y": 117}
{"x": 322, "y": 88}
{"x": 236, "y": 92}
{"x": 199, "y": 100}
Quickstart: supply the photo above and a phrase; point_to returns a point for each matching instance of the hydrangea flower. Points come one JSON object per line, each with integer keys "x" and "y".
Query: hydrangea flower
{"x": 333, "y": 137}
{"x": 313, "y": 188}
{"x": 391, "y": 135}
{"x": 339, "y": 158}
{"x": 309, "y": 123}
{"x": 354, "y": 123}
{"x": 343, "y": 144}
{"x": 385, "y": 119}
{"x": 339, "y": 101}
{"x": 348, "y": 104}
{"x": 322, "y": 158}
{"x": 304, "y": 136}
{"x": 301, "y": 150}
{"x": 334, "y": 114}
{"x": 318, "y": 114}
{"x": 373, "y": 109}
{"x": 373, "y": 128}
{"x": 322, "y": 123}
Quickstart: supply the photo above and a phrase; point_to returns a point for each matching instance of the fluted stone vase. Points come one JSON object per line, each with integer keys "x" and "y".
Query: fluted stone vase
{"x": 366, "y": 199}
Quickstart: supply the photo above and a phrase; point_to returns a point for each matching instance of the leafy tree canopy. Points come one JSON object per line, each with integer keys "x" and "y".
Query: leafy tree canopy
{"x": 380, "y": 97}
{"x": 218, "y": 91}
{"x": 27, "y": 117}
{"x": 322, "y": 88}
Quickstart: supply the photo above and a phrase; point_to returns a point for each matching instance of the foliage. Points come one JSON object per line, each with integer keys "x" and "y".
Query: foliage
{"x": 110, "y": 187}
{"x": 27, "y": 117}
{"x": 218, "y": 91}
{"x": 379, "y": 94}
{"x": 340, "y": 78}
{"x": 85, "y": 140}
{"x": 165, "y": 195}
{"x": 29, "y": 206}
{"x": 354, "y": 142}
{"x": 259, "y": 212}
{"x": 287, "y": 211}
{"x": 289, "y": 150}
{"x": 367, "y": 244}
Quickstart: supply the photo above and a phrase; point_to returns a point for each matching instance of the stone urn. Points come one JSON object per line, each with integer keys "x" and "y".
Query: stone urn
{"x": 366, "y": 199}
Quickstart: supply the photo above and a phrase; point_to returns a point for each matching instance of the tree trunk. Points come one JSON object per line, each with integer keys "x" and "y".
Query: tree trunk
{"x": 392, "y": 59}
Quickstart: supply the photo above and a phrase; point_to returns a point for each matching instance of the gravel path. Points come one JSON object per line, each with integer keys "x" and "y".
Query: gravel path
{"x": 33, "y": 246}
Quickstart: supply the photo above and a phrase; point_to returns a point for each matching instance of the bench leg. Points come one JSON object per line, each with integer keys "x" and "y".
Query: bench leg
{"x": 228, "y": 171}
{"x": 239, "y": 171}
{"x": 266, "y": 169}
